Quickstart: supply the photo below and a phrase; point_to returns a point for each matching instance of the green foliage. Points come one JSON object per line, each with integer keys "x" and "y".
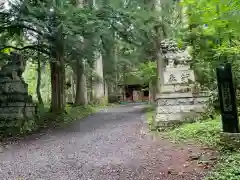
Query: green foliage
{"x": 150, "y": 112}
{"x": 17, "y": 127}
{"x": 45, "y": 119}
{"x": 213, "y": 32}
{"x": 228, "y": 168}
{"x": 147, "y": 72}
{"x": 76, "y": 113}
{"x": 114, "y": 98}
{"x": 30, "y": 77}
{"x": 206, "y": 132}
{"x": 46, "y": 84}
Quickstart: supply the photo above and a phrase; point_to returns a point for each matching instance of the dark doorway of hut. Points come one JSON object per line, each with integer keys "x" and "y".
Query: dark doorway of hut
{"x": 136, "y": 93}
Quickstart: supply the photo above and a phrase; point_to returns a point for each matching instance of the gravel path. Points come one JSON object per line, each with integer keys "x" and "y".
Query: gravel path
{"x": 113, "y": 144}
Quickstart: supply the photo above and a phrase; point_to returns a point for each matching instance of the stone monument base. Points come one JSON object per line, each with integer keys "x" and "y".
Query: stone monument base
{"x": 18, "y": 111}
{"x": 15, "y": 102}
{"x": 166, "y": 125}
{"x": 178, "y": 108}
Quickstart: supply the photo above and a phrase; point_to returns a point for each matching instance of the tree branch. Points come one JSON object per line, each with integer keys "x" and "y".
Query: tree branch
{"x": 103, "y": 43}
{"x": 32, "y": 47}
{"x": 23, "y": 27}
{"x": 124, "y": 36}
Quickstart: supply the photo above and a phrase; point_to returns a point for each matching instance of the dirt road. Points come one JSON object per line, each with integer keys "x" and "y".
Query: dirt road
{"x": 113, "y": 144}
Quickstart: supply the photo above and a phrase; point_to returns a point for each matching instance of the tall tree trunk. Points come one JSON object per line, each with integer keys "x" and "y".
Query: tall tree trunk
{"x": 81, "y": 97}
{"x": 99, "y": 84}
{"x": 39, "y": 79}
{"x": 158, "y": 55}
{"x": 150, "y": 94}
{"x": 156, "y": 6}
{"x": 91, "y": 86}
{"x": 73, "y": 86}
{"x": 58, "y": 84}
{"x": 81, "y": 87}
{"x": 160, "y": 73}
{"x": 106, "y": 91}
{"x": 124, "y": 93}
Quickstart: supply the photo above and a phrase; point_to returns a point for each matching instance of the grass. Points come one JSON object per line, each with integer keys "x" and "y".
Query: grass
{"x": 149, "y": 114}
{"x": 208, "y": 133}
{"x": 73, "y": 113}
{"x": 24, "y": 127}
{"x": 227, "y": 167}
{"x": 76, "y": 113}
{"x": 79, "y": 112}
{"x": 205, "y": 132}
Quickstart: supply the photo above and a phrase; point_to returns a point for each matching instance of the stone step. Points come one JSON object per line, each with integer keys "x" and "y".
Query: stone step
{"x": 182, "y": 101}
{"x": 177, "y": 117}
{"x": 198, "y": 108}
{"x": 181, "y": 87}
{"x": 16, "y": 87}
{"x": 17, "y": 104}
{"x": 182, "y": 95}
{"x": 17, "y": 111}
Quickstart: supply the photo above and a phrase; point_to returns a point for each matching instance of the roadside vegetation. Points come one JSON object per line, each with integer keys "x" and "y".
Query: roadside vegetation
{"x": 213, "y": 34}
{"x": 95, "y": 48}
{"x": 207, "y": 133}
{"x": 78, "y": 54}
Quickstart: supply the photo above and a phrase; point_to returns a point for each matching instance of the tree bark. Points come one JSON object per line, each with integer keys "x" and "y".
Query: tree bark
{"x": 39, "y": 79}
{"x": 124, "y": 93}
{"x": 160, "y": 72}
{"x": 81, "y": 97}
{"x": 159, "y": 57}
{"x": 81, "y": 87}
{"x": 91, "y": 86}
{"x": 106, "y": 91}
{"x": 99, "y": 84}
{"x": 150, "y": 90}
{"x": 58, "y": 84}
{"x": 73, "y": 86}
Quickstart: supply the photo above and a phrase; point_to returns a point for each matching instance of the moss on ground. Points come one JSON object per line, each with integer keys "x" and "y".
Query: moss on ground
{"x": 45, "y": 119}
{"x": 205, "y": 132}
{"x": 149, "y": 112}
{"x": 72, "y": 114}
{"x": 208, "y": 133}
{"x": 227, "y": 167}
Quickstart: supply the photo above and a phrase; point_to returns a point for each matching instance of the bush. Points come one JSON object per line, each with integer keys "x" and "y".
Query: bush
{"x": 149, "y": 114}
{"x": 19, "y": 127}
{"x": 113, "y": 98}
{"x": 206, "y": 132}
{"x": 10, "y": 127}
{"x": 228, "y": 168}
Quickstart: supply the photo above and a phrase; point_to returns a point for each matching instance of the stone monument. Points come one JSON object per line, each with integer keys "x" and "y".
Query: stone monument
{"x": 15, "y": 102}
{"x": 230, "y": 135}
{"x": 227, "y": 98}
{"x": 181, "y": 99}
